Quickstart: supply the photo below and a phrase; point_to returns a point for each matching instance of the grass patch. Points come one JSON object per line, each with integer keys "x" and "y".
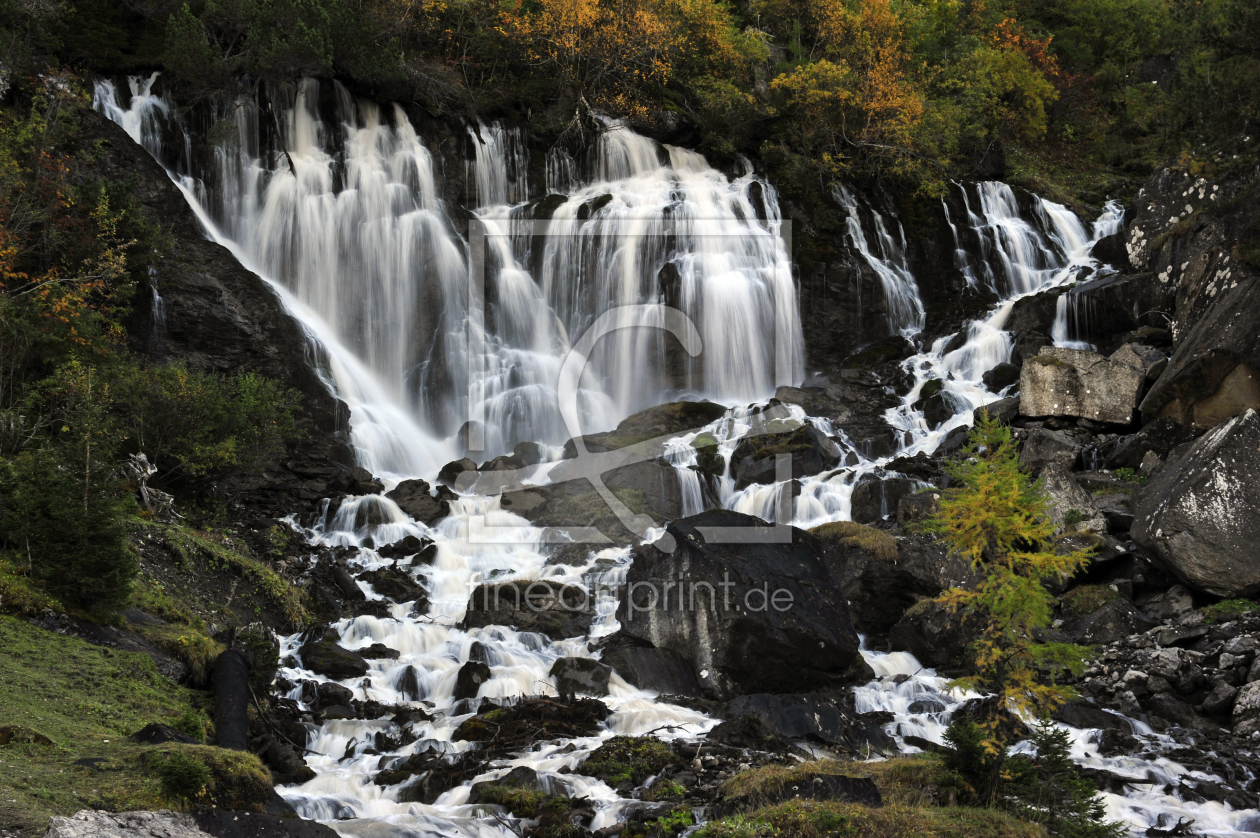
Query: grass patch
{"x": 628, "y": 758}
{"x": 1228, "y": 609}
{"x": 524, "y": 803}
{"x": 916, "y": 780}
{"x": 878, "y": 543}
{"x": 827, "y": 819}
{"x": 86, "y": 699}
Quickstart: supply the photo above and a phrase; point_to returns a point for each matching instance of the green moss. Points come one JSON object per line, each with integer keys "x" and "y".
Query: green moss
{"x": 524, "y": 803}
{"x": 664, "y": 790}
{"x": 878, "y": 543}
{"x": 707, "y": 455}
{"x": 1046, "y": 361}
{"x": 1228, "y": 609}
{"x": 86, "y": 700}
{"x": 1085, "y": 600}
{"x": 628, "y": 758}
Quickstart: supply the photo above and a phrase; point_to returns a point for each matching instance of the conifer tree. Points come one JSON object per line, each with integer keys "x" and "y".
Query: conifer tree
{"x": 994, "y": 515}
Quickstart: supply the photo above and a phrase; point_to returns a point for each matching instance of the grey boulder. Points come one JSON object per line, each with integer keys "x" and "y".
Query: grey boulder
{"x": 1081, "y": 384}
{"x": 1199, "y": 518}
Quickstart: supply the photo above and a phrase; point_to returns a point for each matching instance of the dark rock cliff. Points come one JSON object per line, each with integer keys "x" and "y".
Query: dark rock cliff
{"x": 218, "y": 315}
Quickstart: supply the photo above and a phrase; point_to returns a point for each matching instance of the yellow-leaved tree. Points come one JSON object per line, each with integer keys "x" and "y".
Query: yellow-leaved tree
{"x": 995, "y": 516}
{"x": 856, "y": 97}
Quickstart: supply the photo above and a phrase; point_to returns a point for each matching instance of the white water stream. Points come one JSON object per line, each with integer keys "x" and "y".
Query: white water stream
{"x": 347, "y": 223}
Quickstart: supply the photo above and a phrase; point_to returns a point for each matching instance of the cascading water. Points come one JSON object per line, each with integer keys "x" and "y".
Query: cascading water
{"x": 888, "y": 259}
{"x": 1028, "y": 260}
{"x": 347, "y": 221}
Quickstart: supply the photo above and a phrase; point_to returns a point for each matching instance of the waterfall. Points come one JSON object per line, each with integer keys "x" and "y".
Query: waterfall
{"x": 888, "y": 260}
{"x": 344, "y": 216}
{"x": 1028, "y": 258}
{"x": 340, "y": 207}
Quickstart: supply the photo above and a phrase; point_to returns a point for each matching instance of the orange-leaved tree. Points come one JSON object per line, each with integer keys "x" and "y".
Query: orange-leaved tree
{"x": 856, "y": 98}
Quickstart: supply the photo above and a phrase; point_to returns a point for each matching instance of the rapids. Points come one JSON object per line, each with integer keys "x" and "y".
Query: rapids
{"x": 347, "y": 218}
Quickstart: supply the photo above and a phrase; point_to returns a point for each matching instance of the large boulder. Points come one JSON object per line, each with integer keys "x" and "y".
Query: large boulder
{"x": 661, "y": 670}
{"x": 1161, "y": 436}
{"x": 1042, "y": 447}
{"x": 880, "y": 587}
{"x": 1112, "y": 623}
{"x": 329, "y": 658}
{"x": 936, "y": 634}
{"x": 1069, "y": 504}
{"x": 816, "y": 717}
{"x": 749, "y": 613}
{"x": 1199, "y": 518}
{"x": 580, "y": 676}
{"x": 1246, "y": 713}
{"x": 1080, "y": 384}
{"x": 546, "y": 607}
{"x": 755, "y": 459}
{"x": 414, "y": 498}
{"x": 878, "y": 499}
{"x": 470, "y": 678}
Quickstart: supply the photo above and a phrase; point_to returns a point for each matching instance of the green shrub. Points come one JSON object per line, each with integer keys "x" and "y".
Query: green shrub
{"x": 183, "y": 777}
{"x": 192, "y": 724}
{"x": 195, "y": 424}
{"x": 1129, "y": 475}
{"x": 233, "y": 780}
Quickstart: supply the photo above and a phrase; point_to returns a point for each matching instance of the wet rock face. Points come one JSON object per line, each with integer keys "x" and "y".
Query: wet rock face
{"x": 879, "y": 591}
{"x": 818, "y": 718}
{"x": 662, "y": 670}
{"x": 755, "y": 459}
{"x": 749, "y": 617}
{"x": 1199, "y": 518}
{"x": 935, "y": 634}
{"x": 1080, "y": 384}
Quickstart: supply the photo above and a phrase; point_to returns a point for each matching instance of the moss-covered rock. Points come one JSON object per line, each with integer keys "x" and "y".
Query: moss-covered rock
{"x": 628, "y": 759}
{"x": 879, "y": 544}
{"x": 235, "y": 780}
{"x": 533, "y": 720}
